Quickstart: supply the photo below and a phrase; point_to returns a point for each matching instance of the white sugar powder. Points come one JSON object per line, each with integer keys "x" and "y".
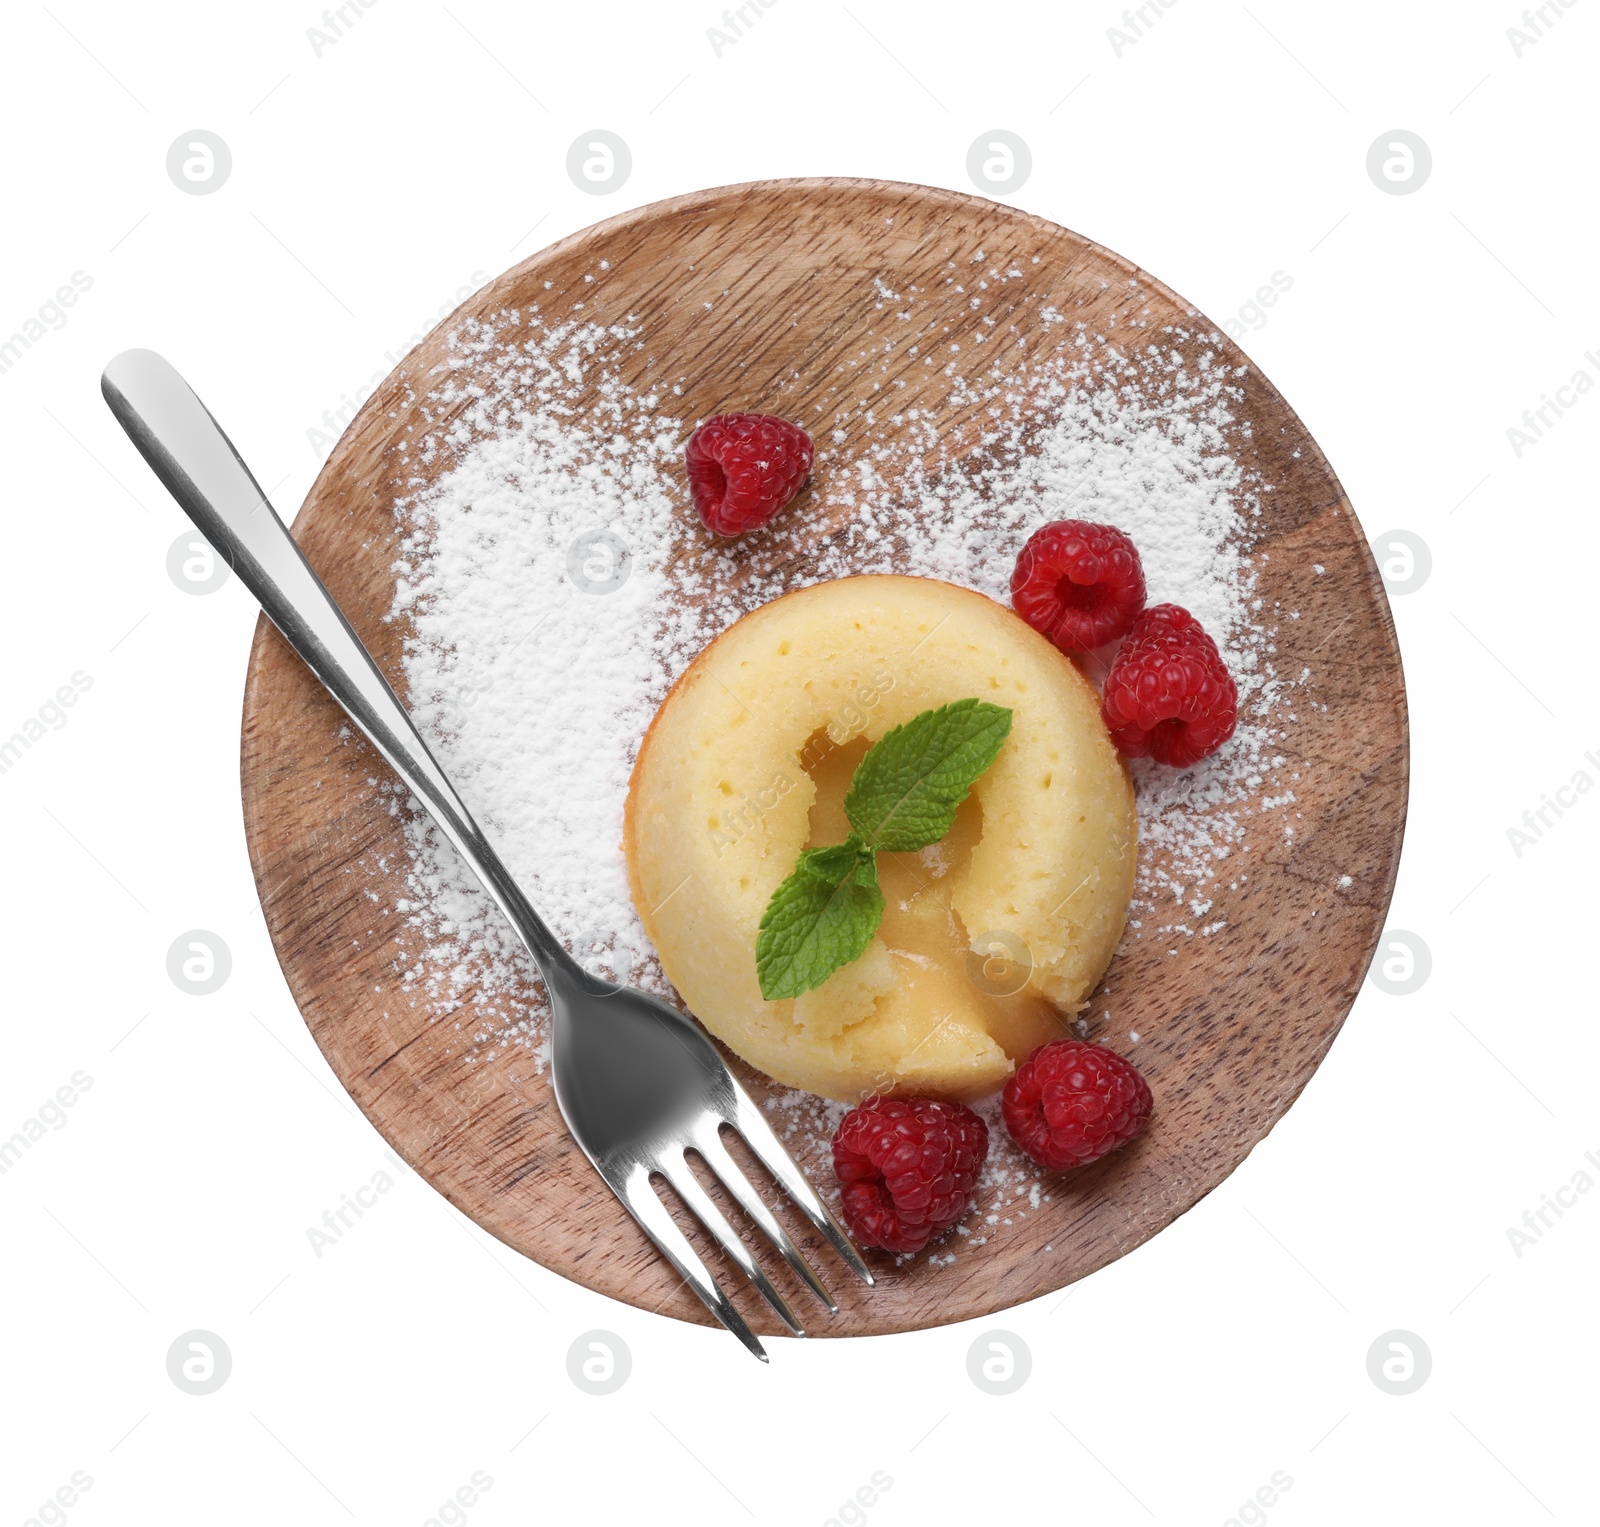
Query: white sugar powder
{"x": 535, "y": 692}
{"x": 537, "y": 684}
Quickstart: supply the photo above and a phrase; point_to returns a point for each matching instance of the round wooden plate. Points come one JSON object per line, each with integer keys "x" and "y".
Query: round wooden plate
{"x": 762, "y": 283}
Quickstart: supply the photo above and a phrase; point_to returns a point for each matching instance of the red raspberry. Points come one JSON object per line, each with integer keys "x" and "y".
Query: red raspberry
{"x": 743, "y": 468}
{"x": 907, "y": 1167}
{"x": 1169, "y": 696}
{"x": 1079, "y": 584}
{"x": 1070, "y": 1103}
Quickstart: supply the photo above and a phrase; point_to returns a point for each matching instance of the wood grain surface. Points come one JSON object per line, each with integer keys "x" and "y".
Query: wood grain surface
{"x": 763, "y": 282}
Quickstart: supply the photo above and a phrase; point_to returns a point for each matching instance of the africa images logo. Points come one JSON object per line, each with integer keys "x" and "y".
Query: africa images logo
{"x": 50, "y": 315}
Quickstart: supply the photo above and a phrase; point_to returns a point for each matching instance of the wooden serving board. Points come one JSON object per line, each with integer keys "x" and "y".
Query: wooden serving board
{"x": 754, "y": 294}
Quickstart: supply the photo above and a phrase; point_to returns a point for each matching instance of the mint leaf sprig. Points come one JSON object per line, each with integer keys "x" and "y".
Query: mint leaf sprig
{"x": 903, "y": 796}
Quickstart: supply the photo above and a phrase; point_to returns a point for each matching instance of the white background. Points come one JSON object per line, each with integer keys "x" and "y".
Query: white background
{"x": 424, "y": 152}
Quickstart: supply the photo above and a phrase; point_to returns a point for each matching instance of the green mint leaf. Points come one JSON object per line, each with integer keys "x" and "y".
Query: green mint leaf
{"x": 823, "y": 916}
{"x": 907, "y": 789}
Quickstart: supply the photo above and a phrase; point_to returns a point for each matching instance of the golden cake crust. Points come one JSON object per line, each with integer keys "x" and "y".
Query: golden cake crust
{"x": 990, "y": 940}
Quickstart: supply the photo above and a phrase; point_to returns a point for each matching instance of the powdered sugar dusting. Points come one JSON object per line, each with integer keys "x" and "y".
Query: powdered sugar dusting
{"x": 535, "y": 692}
{"x": 537, "y": 683}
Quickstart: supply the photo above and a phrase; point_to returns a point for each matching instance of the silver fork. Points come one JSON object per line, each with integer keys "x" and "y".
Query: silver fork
{"x": 638, "y": 1083}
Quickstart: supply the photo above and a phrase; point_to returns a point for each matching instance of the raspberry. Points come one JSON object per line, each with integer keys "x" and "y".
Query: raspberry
{"x": 907, "y": 1167}
{"x": 1169, "y": 696}
{"x": 743, "y": 468}
{"x": 1070, "y": 1103}
{"x": 1079, "y": 584}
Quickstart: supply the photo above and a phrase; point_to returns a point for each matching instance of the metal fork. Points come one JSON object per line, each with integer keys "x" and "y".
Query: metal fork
{"x": 638, "y": 1083}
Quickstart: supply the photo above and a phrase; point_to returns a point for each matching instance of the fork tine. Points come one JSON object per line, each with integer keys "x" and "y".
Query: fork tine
{"x": 708, "y": 1141}
{"x": 758, "y": 1135}
{"x": 640, "y": 1198}
{"x": 687, "y": 1186}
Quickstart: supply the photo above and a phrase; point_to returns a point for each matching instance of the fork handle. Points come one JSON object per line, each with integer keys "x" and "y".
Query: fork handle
{"x": 187, "y": 450}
